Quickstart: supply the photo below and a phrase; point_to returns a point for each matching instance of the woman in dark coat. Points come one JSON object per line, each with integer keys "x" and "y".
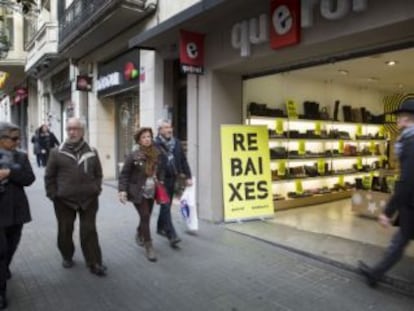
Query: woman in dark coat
{"x": 137, "y": 180}
{"x": 46, "y": 140}
{"x": 15, "y": 174}
{"x": 401, "y": 202}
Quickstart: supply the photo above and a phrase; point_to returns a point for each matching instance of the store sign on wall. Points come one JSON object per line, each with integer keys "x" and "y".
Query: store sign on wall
{"x": 191, "y": 52}
{"x": 282, "y": 27}
{"x": 247, "y": 186}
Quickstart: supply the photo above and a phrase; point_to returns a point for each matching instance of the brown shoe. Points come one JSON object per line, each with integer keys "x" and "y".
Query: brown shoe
{"x": 149, "y": 251}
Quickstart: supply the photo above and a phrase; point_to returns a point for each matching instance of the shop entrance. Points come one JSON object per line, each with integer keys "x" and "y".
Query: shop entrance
{"x": 332, "y": 159}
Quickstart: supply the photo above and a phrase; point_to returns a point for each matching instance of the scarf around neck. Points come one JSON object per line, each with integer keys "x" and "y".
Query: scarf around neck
{"x": 168, "y": 143}
{"x": 150, "y": 154}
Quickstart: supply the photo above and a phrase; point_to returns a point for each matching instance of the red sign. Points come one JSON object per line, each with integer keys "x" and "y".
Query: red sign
{"x": 285, "y": 23}
{"x": 192, "y": 52}
{"x": 20, "y": 95}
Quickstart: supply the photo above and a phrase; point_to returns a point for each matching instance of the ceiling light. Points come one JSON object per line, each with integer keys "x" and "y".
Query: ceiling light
{"x": 400, "y": 85}
{"x": 343, "y": 72}
{"x": 373, "y": 79}
{"x": 391, "y": 63}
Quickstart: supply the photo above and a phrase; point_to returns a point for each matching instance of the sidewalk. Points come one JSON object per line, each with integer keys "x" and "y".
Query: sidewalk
{"x": 215, "y": 270}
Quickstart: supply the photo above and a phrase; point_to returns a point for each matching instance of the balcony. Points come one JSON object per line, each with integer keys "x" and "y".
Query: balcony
{"x": 86, "y": 24}
{"x": 42, "y": 47}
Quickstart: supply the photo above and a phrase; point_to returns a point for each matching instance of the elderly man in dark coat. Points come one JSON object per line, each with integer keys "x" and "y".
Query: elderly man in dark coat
{"x": 73, "y": 181}
{"x": 15, "y": 174}
{"x": 402, "y": 201}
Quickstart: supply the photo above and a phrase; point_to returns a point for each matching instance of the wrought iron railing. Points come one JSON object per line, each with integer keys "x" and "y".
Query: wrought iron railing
{"x": 82, "y": 11}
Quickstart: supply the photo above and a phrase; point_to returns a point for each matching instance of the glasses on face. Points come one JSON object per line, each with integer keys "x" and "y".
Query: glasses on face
{"x": 73, "y": 129}
{"x": 13, "y": 138}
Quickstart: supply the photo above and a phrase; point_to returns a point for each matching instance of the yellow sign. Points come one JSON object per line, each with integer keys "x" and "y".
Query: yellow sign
{"x": 359, "y": 163}
{"x": 302, "y": 147}
{"x": 299, "y": 186}
{"x": 359, "y": 130}
{"x": 341, "y": 147}
{"x": 279, "y": 126}
{"x": 247, "y": 185}
{"x": 318, "y": 128}
{"x": 282, "y": 168}
{"x": 292, "y": 112}
{"x": 321, "y": 167}
{"x": 381, "y": 132}
{"x": 341, "y": 180}
{"x": 372, "y": 147}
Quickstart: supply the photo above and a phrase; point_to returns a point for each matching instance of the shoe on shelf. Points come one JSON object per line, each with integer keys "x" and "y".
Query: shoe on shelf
{"x": 3, "y": 301}
{"x": 67, "y": 263}
{"x": 8, "y": 274}
{"x": 174, "y": 242}
{"x": 98, "y": 269}
{"x": 366, "y": 271}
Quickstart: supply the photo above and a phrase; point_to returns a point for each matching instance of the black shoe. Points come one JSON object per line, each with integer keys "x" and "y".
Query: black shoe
{"x": 97, "y": 269}
{"x": 3, "y": 302}
{"x": 67, "y": 263}
{"x": 366, "y": 271}
{"x": 174, "y": 242}
{"x": 8, "y": 274}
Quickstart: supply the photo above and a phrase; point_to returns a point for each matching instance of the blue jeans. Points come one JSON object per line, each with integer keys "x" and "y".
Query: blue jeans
{"x": 164, "y": 223}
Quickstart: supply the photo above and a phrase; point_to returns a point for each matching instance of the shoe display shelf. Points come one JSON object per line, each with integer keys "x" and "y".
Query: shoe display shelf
{"x": 317, "y": 161}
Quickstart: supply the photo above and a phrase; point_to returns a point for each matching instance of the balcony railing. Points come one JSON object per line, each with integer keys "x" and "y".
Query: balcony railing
{"x": 82, "y": 11}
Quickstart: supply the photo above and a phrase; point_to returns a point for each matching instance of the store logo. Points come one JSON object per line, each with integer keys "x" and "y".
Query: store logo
{"x": 282, "y": 28}
{"x": 130, "y": 72}
{"x": 110, "y": 80}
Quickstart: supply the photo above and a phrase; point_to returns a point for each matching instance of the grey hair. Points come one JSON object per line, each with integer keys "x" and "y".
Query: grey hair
{"x": 6, "y": 128}
{"x": 78, "y": 120}
{"x": 161, "y": 122}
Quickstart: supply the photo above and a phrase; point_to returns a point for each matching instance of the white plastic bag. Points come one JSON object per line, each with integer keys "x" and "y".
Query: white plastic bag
{"x": 188, "y": 207}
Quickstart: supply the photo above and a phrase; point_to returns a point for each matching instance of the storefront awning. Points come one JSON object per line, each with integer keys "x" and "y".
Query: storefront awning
{"x": 198, "y": 17}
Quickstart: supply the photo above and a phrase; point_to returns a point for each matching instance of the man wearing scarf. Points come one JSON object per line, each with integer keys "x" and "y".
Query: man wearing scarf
{"x": 73, "y": 181}
{"x": 401, "y": 202}
{"x": 175, "y": 163}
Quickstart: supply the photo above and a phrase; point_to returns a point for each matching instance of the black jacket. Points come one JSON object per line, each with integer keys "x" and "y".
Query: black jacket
{"x": 47, "y": 141}
{"x": 14, "y": 206}
{"x": 402, "y": 201}
{"x": 180, "y": 165}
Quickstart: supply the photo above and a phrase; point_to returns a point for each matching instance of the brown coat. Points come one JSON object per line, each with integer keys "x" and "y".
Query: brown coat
{"x": 132, "y": 177}
{"x": 75, "y": 180}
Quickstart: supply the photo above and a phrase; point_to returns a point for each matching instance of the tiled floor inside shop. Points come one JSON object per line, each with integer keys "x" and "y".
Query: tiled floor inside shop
{"x": 337, "y": 219}
{"x": 330, "y": 231}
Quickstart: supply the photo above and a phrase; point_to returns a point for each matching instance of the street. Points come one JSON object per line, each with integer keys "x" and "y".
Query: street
{"x": 213, "y": 270}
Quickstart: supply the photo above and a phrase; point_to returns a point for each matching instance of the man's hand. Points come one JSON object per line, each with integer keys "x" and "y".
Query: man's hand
{"x": 4, "y": 173}
{"x": 384, "y": 220}
{"x": 189, "y": 182}
{"x": 122, "y": 197}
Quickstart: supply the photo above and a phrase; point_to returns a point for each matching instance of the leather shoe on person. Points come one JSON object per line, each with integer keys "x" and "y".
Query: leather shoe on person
{"x": 67, "y": 263}
{"x": 174, "y": 242}
{"x": 8, "y": 274}
{"x": 366, "y": 271}
{"x": 3, "y": 301}
{"x": 97, "y": 269}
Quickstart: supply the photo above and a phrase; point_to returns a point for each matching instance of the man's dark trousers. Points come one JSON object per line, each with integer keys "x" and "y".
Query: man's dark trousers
{"x": 88, "y": 236}
{"x": 393, "y": 254}
{"x": 9, "y": 240}
{"x": 164, "y": 223}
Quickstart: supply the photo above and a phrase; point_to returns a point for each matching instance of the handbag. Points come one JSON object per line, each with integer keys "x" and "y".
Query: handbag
{"x": 161, "y": 196}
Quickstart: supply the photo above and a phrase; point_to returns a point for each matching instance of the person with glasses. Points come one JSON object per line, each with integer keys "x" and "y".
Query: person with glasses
{"x": 15, "y": 174}
{"x": 73, "y": 181}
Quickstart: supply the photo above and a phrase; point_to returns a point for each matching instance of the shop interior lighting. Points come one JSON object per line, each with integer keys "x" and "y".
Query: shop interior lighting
{"x": 373, "y": 79}
{"x": 391, "y": 63}
{"x": 343, "y": 72}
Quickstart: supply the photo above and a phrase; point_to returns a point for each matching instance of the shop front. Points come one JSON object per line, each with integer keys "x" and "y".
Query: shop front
{"x": 118, "y": 84}
{"x": 252, "y": 75}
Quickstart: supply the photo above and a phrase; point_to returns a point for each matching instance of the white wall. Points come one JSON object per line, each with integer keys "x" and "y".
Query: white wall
{"x": 274, "y": 90}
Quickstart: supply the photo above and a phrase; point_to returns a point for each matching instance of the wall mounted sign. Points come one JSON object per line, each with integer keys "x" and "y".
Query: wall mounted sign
{"x": 191, "y": 52}
{"x": 84, "y": 83}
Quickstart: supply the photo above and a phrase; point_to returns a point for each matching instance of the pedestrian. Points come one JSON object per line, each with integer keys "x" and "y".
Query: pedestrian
{"x": 73, "y": 181}
{"x": 176, "y": 169}
{"x": 401, "y": 203}
{"x": 137, "y": 181}
{"x": 36, "y": 148}
{"x": 15, "y": 174}
{"x": 47, "y": 140}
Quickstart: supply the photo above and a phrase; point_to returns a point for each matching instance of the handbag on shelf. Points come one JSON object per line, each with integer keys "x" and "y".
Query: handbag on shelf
{"x": 161, "y": 196}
